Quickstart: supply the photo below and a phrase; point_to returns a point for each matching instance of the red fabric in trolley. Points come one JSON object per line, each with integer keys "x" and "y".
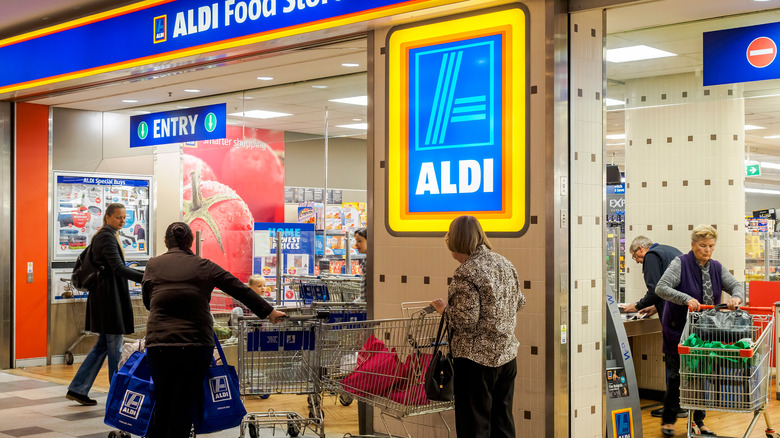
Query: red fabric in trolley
{"x": 376, "y": 370}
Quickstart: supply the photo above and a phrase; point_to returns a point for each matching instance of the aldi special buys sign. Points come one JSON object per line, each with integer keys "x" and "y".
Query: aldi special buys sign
{"x": 191, "y": 124}
{"x": 457, "y": 123}
{"x": 159, "y": 30}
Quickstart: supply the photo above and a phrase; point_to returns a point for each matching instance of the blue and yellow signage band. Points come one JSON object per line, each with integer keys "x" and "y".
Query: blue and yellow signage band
{"x": 128, "y": 37}
{"x": 457, "y": 123}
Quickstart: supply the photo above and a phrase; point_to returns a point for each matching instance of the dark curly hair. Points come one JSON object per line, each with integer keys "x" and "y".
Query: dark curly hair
{"x": 179, "y": 235}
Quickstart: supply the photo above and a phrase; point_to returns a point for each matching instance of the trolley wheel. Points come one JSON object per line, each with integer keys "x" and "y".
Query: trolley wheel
{"x": 68, "y": 358}
{"x": 265, "y": 396}
{"x": 311, "y": 413}
{"x": 293, "y": 428}
{"x": 252, "y": 430}
{"x": 314, "y": 400}
{"x": 772, "y": 434}
{"x": 346, "y": 399}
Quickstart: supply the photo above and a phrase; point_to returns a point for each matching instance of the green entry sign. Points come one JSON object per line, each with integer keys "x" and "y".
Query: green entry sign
{"x": 753, "y": 170}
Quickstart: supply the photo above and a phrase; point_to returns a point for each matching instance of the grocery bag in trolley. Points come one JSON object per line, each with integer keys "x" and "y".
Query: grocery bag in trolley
{"x": 130, "y": 400}
{"x": 715, "y": 325}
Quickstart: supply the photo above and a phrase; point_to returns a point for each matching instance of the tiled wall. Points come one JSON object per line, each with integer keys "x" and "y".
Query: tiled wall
{"x": 684, "y": 166}
{"x": 587, "y": 235}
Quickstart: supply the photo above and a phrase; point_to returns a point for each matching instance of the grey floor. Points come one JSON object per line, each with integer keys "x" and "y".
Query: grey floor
{"x": 38, "y": 408}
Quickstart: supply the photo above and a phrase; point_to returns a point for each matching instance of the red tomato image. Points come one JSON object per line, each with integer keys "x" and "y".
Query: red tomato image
{"x": 225, "y": 223}
{"x": 80, "y": 217}
{"x": 257, "y": 175}
{"x": 191, "y": 163}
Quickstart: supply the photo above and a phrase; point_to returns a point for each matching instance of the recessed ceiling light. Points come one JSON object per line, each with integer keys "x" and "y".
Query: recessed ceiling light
{"x": 319, "y": 86}
{"x": 613, "y": 102}
{"x": 636, "y": 53}
{"x": 752, "y": 127}
{"x": 350, "y": 64}
{"x": 182, "y": 107}
{"x": 357, "y": 100}
{"x": 265, "y": 78}
{"x": 361, "y": 126}
{"x": 767, "y": 165}
{"x": 245, "y": 97}
{"x": 616, "y": 144}
{"x": 357, "y": 120}
{"x": 260, "y": 114}
{"x": 772, "y": 136}
{"x": 762, "y": 191}
{"x": 616, "y": 136}
{"x": 129, "y": 101}
{"x": 192, "y": 90}
{"x": 762, "y": 0}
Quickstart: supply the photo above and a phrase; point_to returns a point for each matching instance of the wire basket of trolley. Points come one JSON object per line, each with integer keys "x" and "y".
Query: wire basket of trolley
{"x": 383, "y": 363}
{"x": 78, "y": 311}
{"x": 725, "y": 362}
{"x": 281, "y": 359}
{"x": 309, "y": 289}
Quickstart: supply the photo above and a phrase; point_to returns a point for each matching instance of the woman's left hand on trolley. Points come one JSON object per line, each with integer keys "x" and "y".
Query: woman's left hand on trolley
{"x": 439, "y": 305}
{"x": 733, "y": 303}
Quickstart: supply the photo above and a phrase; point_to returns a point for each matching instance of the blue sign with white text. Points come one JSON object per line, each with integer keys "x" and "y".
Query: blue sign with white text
{"x": 190, "y": 124}
{"x": 455, "y": 138}
{"x": 743, "y": 54}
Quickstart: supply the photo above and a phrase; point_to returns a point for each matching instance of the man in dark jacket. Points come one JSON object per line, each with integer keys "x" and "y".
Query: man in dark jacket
{"x": 109, "y": 311}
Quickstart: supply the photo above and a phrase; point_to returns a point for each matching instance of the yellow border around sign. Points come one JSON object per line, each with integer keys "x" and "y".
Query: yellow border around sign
{"x": 614, "y": 423}
{"x": 409, "y": 6}
{"x": 513, "y": 22}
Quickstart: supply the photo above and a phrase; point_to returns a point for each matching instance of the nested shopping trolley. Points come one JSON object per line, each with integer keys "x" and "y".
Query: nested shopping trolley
{"x": 725, "y": 364}
{"x": 281, "y": 359}
{"x": 324, "y": 288}
{"x": 383, "y": 363}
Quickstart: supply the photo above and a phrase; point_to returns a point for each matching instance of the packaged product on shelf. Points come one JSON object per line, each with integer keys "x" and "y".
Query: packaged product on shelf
{"x": 333, "y": 217}
{"x": 312, "y": 213}
{"x": 354, "y": 214}
{"x": 337, "y": 266}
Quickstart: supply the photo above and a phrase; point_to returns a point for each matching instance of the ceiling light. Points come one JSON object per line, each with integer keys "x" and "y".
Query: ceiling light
{"x": 319, "y": 86}
{"x": 613, "y": 102}
{"x": 772, "y": 136}
{"x": 245, "y": 97}
{"x": 616, "y": 136}
{"x": 129, "y": 101}
{"x": 350, "y": 64}
{"x": 192, "y": 90}
{"x": 766, "y": 165}
{"x": 762, "y": 191}
{"x": 182, "y": 107}
{"x": 357, "y": 120}
{"x": 260, "y": 114}
{"x": 752, "y": 127}
{"x": 616, "y": 144}
{"x": 636, "y": 53}
{"x": 357, "y": 100}
{"x": 265, "y": 78}
{"x": 361, "y": 126}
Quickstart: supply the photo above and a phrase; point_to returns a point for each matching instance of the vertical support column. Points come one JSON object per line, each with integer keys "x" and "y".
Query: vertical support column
{"x": 684, "y": 166}
{"x": 5, "y": 235}
{"x": 167, "y": 206}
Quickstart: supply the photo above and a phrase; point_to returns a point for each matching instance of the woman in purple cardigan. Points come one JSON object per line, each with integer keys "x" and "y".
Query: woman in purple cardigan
{"x": 690, "y": 280}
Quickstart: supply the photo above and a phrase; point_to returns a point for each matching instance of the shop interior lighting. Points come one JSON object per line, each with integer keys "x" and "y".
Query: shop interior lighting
{"x": 616, "y": 144}
{"x": 260, "y": 114}
{"x": 350, "y": 64}
{"x": 636, "y": 53}
{"x": 613, "y": 102}
{"x": 357, "y": 100}
{"x": 192, "y": 90}
{"x": 129, "y": 101}
{"x": 772, "y": 136}
{"x": 265, "y": 78}
{"x": 319, "y": 86}
{"x": 357, "y": 120}
{"x": 767, "y": 165}
{"x": 762, "y": 191}
{"x": 753, "y": 127}
{"x": 360, "y": 126}
{"x": 616, "y": 136}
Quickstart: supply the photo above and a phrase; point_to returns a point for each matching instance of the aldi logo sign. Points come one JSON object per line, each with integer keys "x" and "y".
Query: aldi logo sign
{"x": 160, "y": 29}
{"x": 131, "y": 404}
{"x": 220, "y": 389}
{"x": 457, "y": 123}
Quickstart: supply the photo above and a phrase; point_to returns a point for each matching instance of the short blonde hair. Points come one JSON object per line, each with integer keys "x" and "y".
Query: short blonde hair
{"x": 466, "y": 235}
{"x": 703, "y": 232}
{"x": 256, "y": 280}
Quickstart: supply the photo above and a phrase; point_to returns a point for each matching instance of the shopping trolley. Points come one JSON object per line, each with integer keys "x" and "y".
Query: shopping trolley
{"x": 78, "y": 314}
{"x": 383, "y": 363}
{"x": 281, "y": 359}
{"x": 727, "y": 369}
{"x": 325, "y": 288}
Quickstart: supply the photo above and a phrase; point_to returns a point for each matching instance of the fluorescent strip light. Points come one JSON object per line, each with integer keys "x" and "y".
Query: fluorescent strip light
{"x": 260, "y": 114}
{"x": 616, "y": 136}
{"x": 762, "y": 191}
{"x": 772, "y": 136}
{"x": 766, "y": 165}
{"x": 361, "y": 126}
{"x": 350, "y": 64}
{"x": 265, "y": 78}
{"x": 616, "y": 144}
{"x": 129, "y": 101}
{"x": 357, "y": 100}
{"x": 636, "y": 53}
{"x": 613, "y": 102}
{"x": 753, "y": 127}
{"x": 319, "y": 86}
{"x": 192, "y": 90}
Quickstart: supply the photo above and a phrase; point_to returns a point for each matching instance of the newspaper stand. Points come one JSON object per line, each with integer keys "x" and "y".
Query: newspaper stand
{"x": 389, "y": 377}
{"x": 281, "y": 359}
{"x": 731, "y": 379}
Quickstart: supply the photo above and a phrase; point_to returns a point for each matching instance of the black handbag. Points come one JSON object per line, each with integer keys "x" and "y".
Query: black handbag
{"x": 86, "y": 273}
{"x": 439, "y": 378}
{"x": 715, "y": 325}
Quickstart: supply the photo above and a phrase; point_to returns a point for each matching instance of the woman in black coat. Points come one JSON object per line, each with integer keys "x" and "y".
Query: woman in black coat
{"x": 109, "y": 312}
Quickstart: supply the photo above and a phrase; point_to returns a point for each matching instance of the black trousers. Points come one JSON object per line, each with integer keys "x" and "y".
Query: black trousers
{"x": 483, "y": 399}
{"x": 672, "y": 398}
{"x": 178, "y": 374}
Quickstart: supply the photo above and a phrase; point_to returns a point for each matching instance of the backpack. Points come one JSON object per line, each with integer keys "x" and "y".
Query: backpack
{"x": 86, "y": 273}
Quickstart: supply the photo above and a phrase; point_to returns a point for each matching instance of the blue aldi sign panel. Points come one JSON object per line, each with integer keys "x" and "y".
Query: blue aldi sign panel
{"x": 190, "y": 124}
{"x": 457, "y": 123}
{"x": 741, "y": 55}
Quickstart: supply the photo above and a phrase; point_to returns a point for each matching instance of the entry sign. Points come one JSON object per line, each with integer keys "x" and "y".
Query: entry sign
{"x": 190, "y": 124}
{"x": 457, "y": 123}
{"x": 741, "y": 55}
{"x": 753, "y": 170}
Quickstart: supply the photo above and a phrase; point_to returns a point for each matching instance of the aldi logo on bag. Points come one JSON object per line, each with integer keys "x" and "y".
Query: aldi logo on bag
{"x": 131, "y": 404}
{"x": 220, "y": 390}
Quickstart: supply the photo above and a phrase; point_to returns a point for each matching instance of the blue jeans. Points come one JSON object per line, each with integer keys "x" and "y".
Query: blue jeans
{"x": 107, "y": 345}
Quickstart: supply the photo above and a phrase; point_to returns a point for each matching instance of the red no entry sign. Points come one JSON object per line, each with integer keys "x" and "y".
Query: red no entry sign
{"x": 761, "y": 52}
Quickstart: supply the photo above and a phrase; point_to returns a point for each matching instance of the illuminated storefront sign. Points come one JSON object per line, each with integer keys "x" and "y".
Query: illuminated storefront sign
{"x": 159, "y": 30}
{"x": 742, "y": 54}
{"x": 190, "y": 124}
{"x": 457, "y": 123}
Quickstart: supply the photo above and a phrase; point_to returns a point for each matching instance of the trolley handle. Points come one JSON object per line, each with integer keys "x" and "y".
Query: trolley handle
{"x": 321, "y": 314}
{"x": 745, "y": 308}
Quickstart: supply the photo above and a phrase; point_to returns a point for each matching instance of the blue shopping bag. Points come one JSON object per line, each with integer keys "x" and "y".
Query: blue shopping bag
{"x": 222, "y": 406}
{"x": 130, "y": 400}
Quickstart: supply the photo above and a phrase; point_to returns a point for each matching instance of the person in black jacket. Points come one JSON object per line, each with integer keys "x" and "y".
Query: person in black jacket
{"x": 109, "y": 311}
{"x": 177, "y": 289}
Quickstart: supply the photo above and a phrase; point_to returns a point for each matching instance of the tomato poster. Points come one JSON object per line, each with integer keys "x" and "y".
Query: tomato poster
{"x": 228, "y": 185}
{"x": 297, "y": 252}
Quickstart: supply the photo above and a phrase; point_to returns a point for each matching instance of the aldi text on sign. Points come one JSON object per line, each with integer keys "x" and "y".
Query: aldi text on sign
{"x": 742, "y": 54}
{"x": 457, "y": 123}
{"x": 185, "y": 125}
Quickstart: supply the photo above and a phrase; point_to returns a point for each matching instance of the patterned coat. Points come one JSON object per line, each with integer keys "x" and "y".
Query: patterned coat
{"x": 484, "y": 298}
